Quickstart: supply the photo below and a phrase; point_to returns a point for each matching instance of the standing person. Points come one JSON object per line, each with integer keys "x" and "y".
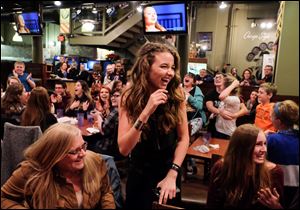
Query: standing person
{"x": 212, "y": 102}
{"x": 237, "y": 179}
{"x": 283, "y": 146}
{"x": 24, "y": 77}
{"x": 66, "y": 176}
{"x": 37, "y": 111}
{"x": 150, "y": 18}
{"x": 153, "y": 126}
{"x": 230, "y": 102}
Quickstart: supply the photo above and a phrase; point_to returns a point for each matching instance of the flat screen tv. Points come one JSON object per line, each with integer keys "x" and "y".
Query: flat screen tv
{"x": 196, "y": 67}
{"x": 28, "y": 23}
{"x": 165, "y": 18}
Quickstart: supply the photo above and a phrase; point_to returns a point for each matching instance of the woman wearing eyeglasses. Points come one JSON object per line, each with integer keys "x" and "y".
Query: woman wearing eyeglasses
{"x": 58, "y": 172}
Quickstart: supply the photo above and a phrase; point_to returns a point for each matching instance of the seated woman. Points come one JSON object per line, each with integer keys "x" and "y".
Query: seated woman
{"x": 13, "y": 105}
{"x": 251, "y": 105}
{"x": 63, "y": 71}
{"x": 107, "y": 141}
{"x": 283, "y": 146}
{"x": 194, "y": 98}
{"x": 247, "y": 78}
{"x": 103, "y": 104}
{"x": 237, "y": 179}
{"x": 82, "y": 101}
{"x": 37, "y": 111}
{"x": 65, "y": 176}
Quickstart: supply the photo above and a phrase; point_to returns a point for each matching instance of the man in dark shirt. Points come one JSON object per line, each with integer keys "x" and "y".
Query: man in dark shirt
{"x": 268, "y": 70}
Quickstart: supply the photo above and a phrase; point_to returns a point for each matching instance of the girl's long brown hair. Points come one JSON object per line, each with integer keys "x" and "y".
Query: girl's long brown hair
{"x": 239, "y": 172}
{"x": 135, "y": 97}
{"x": 38, "y": 105}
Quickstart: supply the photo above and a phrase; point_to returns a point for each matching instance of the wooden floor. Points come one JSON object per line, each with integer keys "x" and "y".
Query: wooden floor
{"x": 194, "y": 190}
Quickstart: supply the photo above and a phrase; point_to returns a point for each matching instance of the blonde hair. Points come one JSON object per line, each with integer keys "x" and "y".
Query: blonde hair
{"x": 19, "y": 63}
{"x": 269, "y": 88}
{"x": 44, "y": 154}
{"x": 287, "y": 112}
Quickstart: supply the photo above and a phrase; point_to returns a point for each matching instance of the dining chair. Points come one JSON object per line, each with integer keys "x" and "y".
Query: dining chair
{"x": 15, "y": 140}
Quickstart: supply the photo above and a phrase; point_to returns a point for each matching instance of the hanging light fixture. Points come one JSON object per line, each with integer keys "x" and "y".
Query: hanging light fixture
{"x": 17, "y": 37}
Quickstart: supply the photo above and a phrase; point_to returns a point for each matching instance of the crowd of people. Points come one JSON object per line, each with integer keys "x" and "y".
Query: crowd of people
{"x": 145, "y": 115}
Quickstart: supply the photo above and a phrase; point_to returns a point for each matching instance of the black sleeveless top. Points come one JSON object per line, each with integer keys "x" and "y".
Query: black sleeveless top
{"x": 155, "y": 150}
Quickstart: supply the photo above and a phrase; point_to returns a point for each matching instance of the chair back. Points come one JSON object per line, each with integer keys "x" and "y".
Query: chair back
{"x": 114, "y": 179}
{"x": 156, "y": 205}
{"x": 15, "y": 140}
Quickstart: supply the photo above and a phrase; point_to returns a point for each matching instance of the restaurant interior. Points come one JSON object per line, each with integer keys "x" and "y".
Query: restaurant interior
{"x": 241, "y": 34}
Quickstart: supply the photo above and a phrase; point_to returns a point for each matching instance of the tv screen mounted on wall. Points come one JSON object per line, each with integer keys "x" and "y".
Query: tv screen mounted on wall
{"x": 165, "y": 18}
{"x": 28, "y": 23}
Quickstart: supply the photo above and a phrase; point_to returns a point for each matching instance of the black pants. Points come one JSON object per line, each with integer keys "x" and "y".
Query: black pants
{"x": 140, "y": 188}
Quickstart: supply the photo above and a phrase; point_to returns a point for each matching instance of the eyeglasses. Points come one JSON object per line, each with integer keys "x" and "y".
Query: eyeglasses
{"x": 78, "y": 150}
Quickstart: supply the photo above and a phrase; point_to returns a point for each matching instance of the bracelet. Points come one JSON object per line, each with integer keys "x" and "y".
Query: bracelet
{"x": 138, "y": 125}
{"x": 176, "y": 167}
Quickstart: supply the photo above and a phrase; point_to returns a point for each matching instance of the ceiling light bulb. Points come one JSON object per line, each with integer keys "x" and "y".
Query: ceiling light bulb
{"x": 139, "y": 9}
{"x": 57, "y": 3}
{"x": 253, "y": 24}
{"x": 269, "y": 25}
{"x": 94, "y": 10}
{"x": 263, "y": 25}
{"x": 87, "y": 27}
{"x": 223, "y": 5}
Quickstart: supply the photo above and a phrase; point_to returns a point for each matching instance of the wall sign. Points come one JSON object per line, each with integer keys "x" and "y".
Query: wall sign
{"x": 263, "y": 36}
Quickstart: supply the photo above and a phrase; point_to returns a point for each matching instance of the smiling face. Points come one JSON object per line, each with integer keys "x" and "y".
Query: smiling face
{"x": 59, "y": 89}
{"x": 73, "y": 162}
{"x": 262, "y": 96}
{"x": 104, "y": 94}
{"x": 161, "y": 71}
{"x": 247, "y": 75}
{"x": 150, "y": 16}
{"x": 260, "y": 149}
{"x": 188, "y": 81}
{"x": 115, "y": 98}
{"x": 78, "y": 89}
{"x": 19, "y": 68}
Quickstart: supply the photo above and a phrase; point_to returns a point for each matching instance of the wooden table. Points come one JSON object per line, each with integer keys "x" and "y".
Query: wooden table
{"x": 207, "y": 157}
{"x": 223, "y": 143}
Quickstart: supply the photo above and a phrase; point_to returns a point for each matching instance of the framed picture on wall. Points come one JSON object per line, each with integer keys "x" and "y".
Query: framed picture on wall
{"x": 205, "y": 40}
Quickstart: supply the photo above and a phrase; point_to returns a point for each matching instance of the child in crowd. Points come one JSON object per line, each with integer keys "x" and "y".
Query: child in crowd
{"x": 283, "y": 146}
{"x": 24, "y": 77}
{"x": 263, "y": 111}
{"x": 230, "y": 102}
